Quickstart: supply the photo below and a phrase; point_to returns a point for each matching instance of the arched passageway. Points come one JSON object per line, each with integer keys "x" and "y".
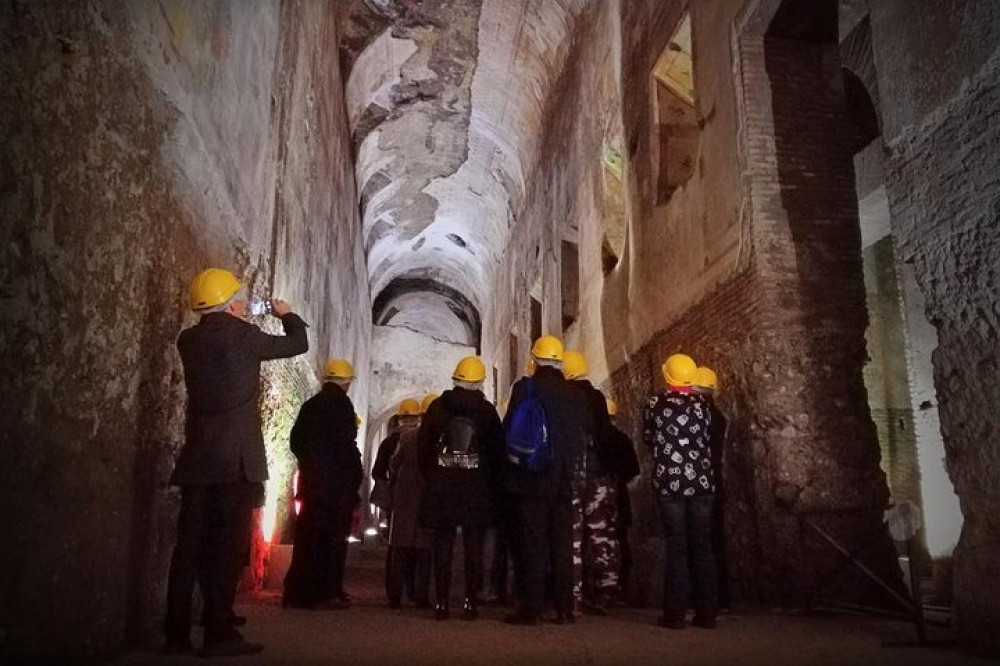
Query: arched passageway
{"x": 801, "y": 194}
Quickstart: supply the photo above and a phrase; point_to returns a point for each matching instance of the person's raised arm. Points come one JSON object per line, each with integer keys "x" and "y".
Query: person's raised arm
{"x": 292, "y": 343}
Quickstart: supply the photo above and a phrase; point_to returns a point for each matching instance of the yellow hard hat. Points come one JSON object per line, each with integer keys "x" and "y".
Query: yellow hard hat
{"x": 706, "y": 378}
{"x": 212, "y": 287}
{"x": 338, "y": 368}
{"x": 679, "y": 370}
{"x": 574, "y": 365}
{"x": 470, "y": 369}
{"x": 529, "y": 367}
{"x": 409, "y": 407}
{"x": 548, "y": 348}
{"x": 426, "y": 403}
{"x": 612, "y": 407}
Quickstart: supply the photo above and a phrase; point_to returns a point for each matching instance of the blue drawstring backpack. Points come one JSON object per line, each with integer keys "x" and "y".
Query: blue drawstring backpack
{"x": 527, "y": 443}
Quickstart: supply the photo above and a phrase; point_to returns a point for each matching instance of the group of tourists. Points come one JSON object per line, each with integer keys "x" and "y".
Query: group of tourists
{"x": 549, "y": 481}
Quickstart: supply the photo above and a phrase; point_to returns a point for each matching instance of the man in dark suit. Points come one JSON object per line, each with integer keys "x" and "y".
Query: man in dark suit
{"x": 222, "y": 465}
{"x": 543, "y": 499}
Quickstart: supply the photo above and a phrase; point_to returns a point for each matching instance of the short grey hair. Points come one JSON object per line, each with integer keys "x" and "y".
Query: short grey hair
{"x": 240, "y": 295}
{"x": 469, "y": 386}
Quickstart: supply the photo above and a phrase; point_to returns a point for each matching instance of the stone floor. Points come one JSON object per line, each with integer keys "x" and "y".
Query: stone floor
{"x": 370, "y": 633}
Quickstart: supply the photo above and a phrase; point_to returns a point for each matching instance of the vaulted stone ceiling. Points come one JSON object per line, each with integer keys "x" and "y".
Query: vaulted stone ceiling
{"x": 446, "y": 100}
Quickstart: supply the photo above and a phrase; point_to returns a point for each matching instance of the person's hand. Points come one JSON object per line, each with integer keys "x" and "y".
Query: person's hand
{"x": 280, "y": 308}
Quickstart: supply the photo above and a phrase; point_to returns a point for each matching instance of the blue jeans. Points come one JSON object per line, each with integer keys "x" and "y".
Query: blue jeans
{"x": 690, "y": 567}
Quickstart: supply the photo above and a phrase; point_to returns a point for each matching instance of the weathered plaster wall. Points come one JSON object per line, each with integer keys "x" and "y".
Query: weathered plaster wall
{"x": 143, "y": 141}
{"x": 940, "y": 103}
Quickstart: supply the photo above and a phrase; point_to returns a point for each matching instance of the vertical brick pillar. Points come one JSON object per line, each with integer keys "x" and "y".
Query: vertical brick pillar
{"x": 813, "y": 443}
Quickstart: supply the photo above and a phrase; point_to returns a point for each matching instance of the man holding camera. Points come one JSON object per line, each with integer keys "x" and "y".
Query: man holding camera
{"x": 223, "y": 464}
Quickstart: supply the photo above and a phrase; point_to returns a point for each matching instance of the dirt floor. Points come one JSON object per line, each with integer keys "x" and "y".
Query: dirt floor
{"x": 370, "y": 633}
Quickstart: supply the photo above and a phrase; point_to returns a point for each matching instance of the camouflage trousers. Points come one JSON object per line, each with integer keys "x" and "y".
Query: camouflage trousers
{"x": 596, "y": 552}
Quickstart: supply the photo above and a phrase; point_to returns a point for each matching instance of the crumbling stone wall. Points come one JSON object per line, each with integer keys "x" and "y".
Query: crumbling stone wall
{"x": 143, "y": 141}
{"x": 939, "y": 105}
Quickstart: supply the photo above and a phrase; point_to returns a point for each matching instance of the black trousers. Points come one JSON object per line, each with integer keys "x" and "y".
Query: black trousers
{"x": 316, "y": 572}
{"x": 625, "y": 564}
{"x": 473, "y": 542}
{"x": 499, "y": 567}
{"x": 690, "y": 571}
{"x": 212, "y": 533}
{"x": 544, "y": 544}
{"x": 409, "y": 569}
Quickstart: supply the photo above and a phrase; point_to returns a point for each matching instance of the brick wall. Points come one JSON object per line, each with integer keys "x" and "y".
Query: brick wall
{"x": 787, "y": 334}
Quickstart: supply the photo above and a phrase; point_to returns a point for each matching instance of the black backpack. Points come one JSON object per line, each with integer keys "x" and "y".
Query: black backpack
{"x": 458, "y": 447}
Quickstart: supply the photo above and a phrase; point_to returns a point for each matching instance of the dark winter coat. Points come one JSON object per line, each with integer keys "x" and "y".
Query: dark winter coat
{"x": 221, "y": 355}
{"x": 570, "y": 423}
{"x": 323, "y": 441}
{"x": 600, "y": 458}
{"x": 381, "y": 494}
{"x": 407, "y": 493}
{"x": 380, "y": 470}
{"x": 454, "y": 497}
{"x": 625, "y": 468}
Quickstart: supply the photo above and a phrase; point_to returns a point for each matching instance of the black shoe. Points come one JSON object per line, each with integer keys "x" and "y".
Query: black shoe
{"x": 395, "y": 604}
{"x": 343, "y": 596}
{"x": 593, "y": 608}
{"x": 233, "y": 646}
{"x": 704, "y": 621}
{"x": 178, "y": 647}
{"x": 441, "y": 612}
{"x": 671, "y": 622}
{"x": 564, "y": 617}
{"x": 423, "y": 604}
{"x": 470, "y": 609}
{"x": 333, "y": 603}
{"x": 522, "y": 617}
{"x": 496, "y": 600}
{"x": 239, "y": 620}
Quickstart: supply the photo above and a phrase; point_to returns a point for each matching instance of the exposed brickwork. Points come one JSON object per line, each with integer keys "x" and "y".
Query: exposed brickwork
{"x": 707, "y": 333}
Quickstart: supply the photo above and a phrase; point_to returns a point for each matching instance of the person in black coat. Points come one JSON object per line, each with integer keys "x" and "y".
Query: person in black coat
{"x": 222, "y": 465}
{"x": 330, "y": 472}
{"x": 543, "y": 500}
{"x": 458, "y": 444}
{"x": 707, "y": 383}
{"x": 595, "y": 547}
{"x": 626, "y": 468}
{"x": 381, "y": 494}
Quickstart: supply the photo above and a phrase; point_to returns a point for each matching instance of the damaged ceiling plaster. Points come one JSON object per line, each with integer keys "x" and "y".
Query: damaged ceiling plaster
{"x": 445, "y": 100}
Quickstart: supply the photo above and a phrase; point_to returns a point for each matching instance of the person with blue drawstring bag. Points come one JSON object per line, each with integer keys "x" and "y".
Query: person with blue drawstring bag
{"x": 545, "y": 428}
